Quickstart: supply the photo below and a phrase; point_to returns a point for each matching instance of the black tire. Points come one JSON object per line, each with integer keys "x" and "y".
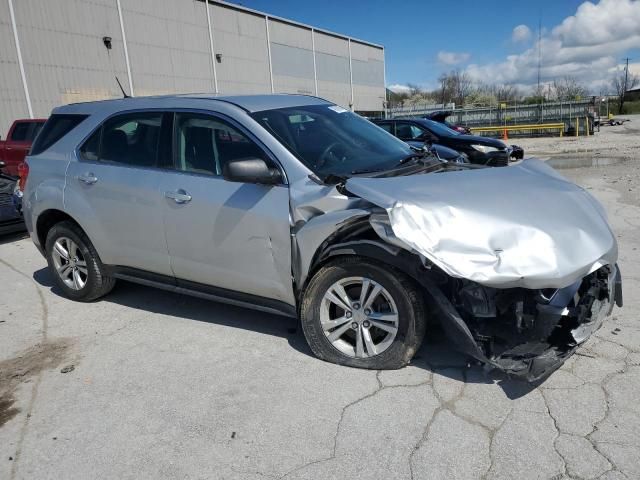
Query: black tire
{"x": 98, "y": 283}
{"x": 408, "y": 299}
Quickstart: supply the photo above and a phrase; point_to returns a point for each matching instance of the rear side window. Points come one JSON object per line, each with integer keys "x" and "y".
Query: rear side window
{"x": 130, "y": 139}
{"x": 386, "y": 126}
{"x": 56, "y": 127}
{"x": 20, "y": 132}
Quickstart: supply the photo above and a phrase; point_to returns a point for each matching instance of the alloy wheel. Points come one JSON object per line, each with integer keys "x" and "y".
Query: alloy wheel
{"x": 69, "y": 263}
{"x": 359, "y": 317}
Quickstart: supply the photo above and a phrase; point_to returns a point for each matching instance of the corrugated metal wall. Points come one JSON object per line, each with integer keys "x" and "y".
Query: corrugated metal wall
{"x": 169, "y": 51}
{"x": 13, "y": 104}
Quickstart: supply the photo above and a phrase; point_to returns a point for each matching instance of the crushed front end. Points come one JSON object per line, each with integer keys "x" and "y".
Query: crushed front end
{"x": 528, "y": 333}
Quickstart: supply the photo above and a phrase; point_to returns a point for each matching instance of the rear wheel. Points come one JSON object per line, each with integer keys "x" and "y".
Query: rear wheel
{"x": 74, "y": 263}
{"x": 358, "y": 313}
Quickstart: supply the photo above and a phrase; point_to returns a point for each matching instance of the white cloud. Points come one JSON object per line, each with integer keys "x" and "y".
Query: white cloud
{"x": 521, "y": 33}
{"x": 399, "y": 88}
{"x": 453, "y": 58}
{"x": 586, "y": 45}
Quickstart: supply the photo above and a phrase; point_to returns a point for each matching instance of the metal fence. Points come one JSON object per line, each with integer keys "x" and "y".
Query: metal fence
{"x": 570, "y": 113}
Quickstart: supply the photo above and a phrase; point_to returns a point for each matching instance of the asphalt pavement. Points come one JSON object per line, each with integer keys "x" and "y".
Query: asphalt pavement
{"x": 149, "y": 384}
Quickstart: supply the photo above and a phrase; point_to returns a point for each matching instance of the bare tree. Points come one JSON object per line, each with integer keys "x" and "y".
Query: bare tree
{"x": 414, "y": 89}
{"x": 455, "y": 86}
{"x": 622, "y": 82}
{"x": 568, "y": 88}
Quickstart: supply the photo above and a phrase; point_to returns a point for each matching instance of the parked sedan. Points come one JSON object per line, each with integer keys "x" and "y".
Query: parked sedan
{"x": 418, "y": 131}
{"x": 10, "y": 218}
{"x": 293, "y": 205}
{"x": 516, "y": 152}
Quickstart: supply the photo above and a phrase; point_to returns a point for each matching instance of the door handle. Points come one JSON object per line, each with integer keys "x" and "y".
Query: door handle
{"x": 88, "y": 178}
{"x": 179, "y": 196}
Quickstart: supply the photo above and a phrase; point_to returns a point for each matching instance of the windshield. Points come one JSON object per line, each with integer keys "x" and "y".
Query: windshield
{"x": 330, "y": 140}
{"x": 439, "y": 128}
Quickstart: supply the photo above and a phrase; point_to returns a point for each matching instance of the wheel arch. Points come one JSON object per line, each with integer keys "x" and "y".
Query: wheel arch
{"x": 358, "y": 238}
{"x": 47, "y": 219}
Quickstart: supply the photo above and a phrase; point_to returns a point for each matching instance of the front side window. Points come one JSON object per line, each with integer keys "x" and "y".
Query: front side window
{"x": 204, "y": 143}
{"x": 407, "y": 131}
{"x": 330, "y": 140}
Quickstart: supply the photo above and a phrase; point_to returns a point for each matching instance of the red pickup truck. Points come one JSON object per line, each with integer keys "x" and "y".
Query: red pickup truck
{"x": 18, "y": 142}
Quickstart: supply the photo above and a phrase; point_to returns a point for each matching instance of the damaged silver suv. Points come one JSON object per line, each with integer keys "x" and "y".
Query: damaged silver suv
{"x": 292, "y": 205}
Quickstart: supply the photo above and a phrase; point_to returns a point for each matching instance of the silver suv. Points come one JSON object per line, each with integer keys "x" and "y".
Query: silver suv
{"x": 292, "y": 205}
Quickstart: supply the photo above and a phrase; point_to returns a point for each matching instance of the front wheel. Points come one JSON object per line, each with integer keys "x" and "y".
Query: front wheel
{"x": 361, "y": 314}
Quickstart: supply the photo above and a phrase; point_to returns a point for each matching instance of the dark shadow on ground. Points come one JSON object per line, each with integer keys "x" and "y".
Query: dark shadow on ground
{"x": 13, "y": 237}
{"x": 437, "y": 353}
{"x": 163, "y": 302}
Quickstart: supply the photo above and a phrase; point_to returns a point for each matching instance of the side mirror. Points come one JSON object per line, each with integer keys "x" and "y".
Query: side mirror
{"x": 251, "y": 170}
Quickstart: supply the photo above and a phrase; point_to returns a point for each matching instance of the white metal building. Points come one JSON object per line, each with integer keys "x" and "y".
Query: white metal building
{"x": 56, "y": 52}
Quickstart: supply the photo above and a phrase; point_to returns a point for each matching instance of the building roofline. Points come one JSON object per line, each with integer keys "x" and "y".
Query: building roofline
{"x": 242, "y": 8}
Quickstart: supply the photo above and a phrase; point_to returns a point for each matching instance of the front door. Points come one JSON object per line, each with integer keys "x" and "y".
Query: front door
{"x": 115, "y": 189}
{"x": 229, "y": 235}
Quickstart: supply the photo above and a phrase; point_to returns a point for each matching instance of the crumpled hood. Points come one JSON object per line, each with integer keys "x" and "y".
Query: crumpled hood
{"x": 518, "y": 226}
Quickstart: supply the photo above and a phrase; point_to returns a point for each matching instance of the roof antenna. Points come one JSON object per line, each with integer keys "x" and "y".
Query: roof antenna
{"x": 124, "y": 94}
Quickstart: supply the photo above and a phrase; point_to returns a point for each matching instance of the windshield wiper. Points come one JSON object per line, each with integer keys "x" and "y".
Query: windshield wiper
{"x": 413, "y": 156}
{"x": 363, "y": 171}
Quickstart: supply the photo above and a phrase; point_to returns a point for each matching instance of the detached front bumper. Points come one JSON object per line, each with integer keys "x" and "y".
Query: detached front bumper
{"x": 561, "y": 323}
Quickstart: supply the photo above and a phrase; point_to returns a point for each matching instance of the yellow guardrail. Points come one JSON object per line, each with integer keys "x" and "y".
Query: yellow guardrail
{"x": 510, "y": 128}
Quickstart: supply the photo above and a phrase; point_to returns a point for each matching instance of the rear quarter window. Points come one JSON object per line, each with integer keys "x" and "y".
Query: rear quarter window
{"x": 20, "y": 132}
{"x": 56, "y": 127}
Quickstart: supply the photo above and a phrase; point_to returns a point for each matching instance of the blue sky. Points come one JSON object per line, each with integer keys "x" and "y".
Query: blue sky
{"x": 425, "y": 38}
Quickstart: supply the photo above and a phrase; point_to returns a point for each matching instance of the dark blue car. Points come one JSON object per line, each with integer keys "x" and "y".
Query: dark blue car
{"x": 420, "y": 131}
{"x": 10, "y": 216}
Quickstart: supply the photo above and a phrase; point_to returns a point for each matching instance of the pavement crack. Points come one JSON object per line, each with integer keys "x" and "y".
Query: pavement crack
{"x": 34, "y": 390}
{"x": 43, "y": 303}
{"x": 603, "y": 386}
{"x": 448, "y": 405}
{"x": 378, "y": 389}
{"x": 557, "y": 429}
{"x": 381, "y": 386}
{"x": 492, "y": 435}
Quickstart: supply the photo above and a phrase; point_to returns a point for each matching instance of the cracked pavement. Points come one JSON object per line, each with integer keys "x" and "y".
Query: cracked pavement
{"x": 167, "y": 386}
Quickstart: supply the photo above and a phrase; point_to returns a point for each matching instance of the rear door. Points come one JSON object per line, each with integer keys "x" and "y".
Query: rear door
{"x": 227, "y": 235}
{"x": 115, "y": 190}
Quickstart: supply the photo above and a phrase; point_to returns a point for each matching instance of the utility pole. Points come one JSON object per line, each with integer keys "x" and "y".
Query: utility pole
{"x": 626, "y": 75}
{"x": 624, "y": 87}
{"x": 539, "y": 92}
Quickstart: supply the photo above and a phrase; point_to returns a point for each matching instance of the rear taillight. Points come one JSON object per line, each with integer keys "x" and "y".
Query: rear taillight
{"x": 23, "y": 172}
